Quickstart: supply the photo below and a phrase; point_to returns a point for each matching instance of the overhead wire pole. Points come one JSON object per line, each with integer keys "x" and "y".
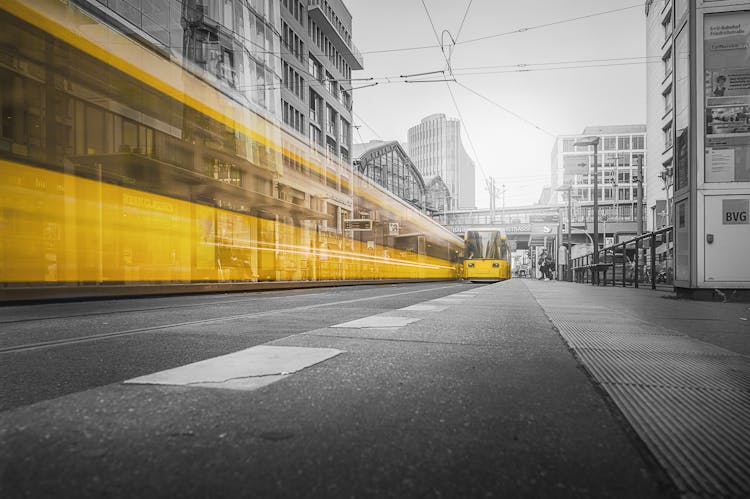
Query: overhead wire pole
{"x": 492, "y": 200}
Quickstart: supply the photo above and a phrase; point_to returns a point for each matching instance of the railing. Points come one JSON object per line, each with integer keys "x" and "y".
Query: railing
{"x": 647, "y": 259}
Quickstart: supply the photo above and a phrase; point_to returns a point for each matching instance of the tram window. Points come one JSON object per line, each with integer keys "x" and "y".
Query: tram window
{"x": 6, "y": 105}
{"x": 94, "y": 130}
{"x": 129, "y": 136}
{"x": 146, "y": 140}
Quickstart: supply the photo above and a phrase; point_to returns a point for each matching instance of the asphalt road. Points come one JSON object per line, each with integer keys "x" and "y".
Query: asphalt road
{"x": 478, "y": 398}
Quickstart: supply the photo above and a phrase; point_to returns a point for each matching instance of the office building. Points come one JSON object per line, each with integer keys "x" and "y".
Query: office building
{"x": 660, "y": 114}
{"x": 435, "y": 147}
{"x": 621, "y": 152}
{"x": 317, "y": 61}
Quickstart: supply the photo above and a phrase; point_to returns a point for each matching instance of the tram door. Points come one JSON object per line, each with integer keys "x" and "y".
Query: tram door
{"x": 266, "y": 249}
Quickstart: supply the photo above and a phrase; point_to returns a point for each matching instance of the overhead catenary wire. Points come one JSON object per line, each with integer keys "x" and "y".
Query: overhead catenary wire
{"x": 437, "y": 37}
{"x": 455, "y": 104}
{"x": 463, "y": 20}
{"x": 512, "y": 113}
{"x": 506, "y": 33}
{"x": 468, "y": 135}
{"x": 367, "y": 125}
{"x": 515, "y": 68}
{"x": 553, "y": 23}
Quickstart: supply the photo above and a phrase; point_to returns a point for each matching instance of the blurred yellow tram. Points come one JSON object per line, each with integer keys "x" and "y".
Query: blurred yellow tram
{"x": 126, "y": 170}
{"x": 487, "y": 255}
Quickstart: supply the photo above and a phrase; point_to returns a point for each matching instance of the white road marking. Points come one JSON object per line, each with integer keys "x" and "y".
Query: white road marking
{"x": 457, "y": 299}
{"x": 424, "y": 308}
{"x": 244, "y": 370}
{"x": 262, "y": 365}
{"x": 378, "y": 321}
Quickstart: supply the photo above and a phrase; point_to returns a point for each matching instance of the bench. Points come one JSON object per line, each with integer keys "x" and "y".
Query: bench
{"x": 597, "y": 269}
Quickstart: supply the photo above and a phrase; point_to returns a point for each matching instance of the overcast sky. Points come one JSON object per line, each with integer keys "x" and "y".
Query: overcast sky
{"x": 557, "y": 101}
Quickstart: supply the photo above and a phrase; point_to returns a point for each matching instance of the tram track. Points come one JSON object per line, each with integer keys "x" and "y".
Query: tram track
{"x": 253, "y": 299}
{"x": 129, "y": 332}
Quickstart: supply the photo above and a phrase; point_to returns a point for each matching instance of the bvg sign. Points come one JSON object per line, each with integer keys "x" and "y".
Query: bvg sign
{"x": 735, "y": 211}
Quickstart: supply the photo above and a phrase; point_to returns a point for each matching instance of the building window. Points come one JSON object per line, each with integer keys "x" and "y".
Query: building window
{"x": 623, "y": 143}
{"x": 346, "y": 99}
{"x": 314, "y": 107}
{"x": 639, "y": 142}
{"x": 667, "y": 24}
{"x": 667, "y": 136}
{"x": 330, "y": 120}
{"x": 345, "y": 129}
{"x": 609, "y": 144}
{"x": 315, "y": 135}
{"x": 667, "y": 100}
{"x": 667, "y": 60}
{"x": 331, "y": 85}
{"x": 314, "y": 68}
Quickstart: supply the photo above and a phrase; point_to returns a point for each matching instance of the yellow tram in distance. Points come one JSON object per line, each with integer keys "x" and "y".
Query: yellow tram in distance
{"x": 486, "y": 255}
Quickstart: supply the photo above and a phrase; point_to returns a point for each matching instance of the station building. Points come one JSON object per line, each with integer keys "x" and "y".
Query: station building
{"x": 387, "y": 164}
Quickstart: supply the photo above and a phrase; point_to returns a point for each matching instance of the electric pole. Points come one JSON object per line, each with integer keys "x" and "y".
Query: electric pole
{"x": 639, "y": 205}
{"x": 491, "y": 188}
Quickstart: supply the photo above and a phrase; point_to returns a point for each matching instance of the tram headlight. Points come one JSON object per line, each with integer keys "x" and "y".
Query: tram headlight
{"x": 496, "y": 265}
{"x": 471, "y": 265}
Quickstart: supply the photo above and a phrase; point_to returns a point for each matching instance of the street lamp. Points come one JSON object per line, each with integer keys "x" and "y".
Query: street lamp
{"x": 594, "y": 141}
{"x": 569, "y": 189}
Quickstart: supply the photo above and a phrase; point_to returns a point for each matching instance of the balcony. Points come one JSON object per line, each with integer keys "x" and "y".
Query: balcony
{"x": 317, "y": 11}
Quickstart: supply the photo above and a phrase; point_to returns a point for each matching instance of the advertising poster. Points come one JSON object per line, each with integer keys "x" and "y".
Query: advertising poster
{"x": 727, "y": 90}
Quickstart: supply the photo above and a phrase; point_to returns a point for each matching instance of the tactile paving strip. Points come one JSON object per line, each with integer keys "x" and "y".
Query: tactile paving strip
{"x": 571, "y": 326}
{"x": 642, "y": 343}
{"x": 689, "y": 401}
{"x": 667, "y": 369}
{"x": 701, "y": 437}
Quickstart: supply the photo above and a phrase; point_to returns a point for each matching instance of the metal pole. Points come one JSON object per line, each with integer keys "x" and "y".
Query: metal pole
{"x": 558, "y": 245}
{"x": 502, "y": 210}
{"x": 568, "y": 270}
{"x": 639, "y": 207}
{"x": 492, "y": 200}
{"x": 653, "y": 260}
{"x": 596, "y": 210}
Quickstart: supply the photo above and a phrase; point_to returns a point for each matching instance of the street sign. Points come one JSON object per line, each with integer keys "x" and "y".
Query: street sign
{"x": 358, "y": 224}
{"x": 393, "y": 228}
{"x": 735, "y": 211}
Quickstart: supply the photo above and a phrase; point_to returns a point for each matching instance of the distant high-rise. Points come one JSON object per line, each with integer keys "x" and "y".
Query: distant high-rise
{"x": 436, "y": 149}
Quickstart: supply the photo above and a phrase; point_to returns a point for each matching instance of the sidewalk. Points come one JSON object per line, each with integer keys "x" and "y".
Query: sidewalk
{"x": 677, "y": 369}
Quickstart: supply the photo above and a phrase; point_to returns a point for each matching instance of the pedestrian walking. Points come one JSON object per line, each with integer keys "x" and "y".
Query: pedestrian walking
{"x": 542, "y": 263}
{"x": 549, "y": 266}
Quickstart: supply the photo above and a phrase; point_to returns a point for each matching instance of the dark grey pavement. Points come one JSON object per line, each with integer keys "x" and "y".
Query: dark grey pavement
{"x": 487, "y": 394}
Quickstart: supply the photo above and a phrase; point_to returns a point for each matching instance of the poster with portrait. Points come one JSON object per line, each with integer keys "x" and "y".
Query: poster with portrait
{"x": 727, "y": 96}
